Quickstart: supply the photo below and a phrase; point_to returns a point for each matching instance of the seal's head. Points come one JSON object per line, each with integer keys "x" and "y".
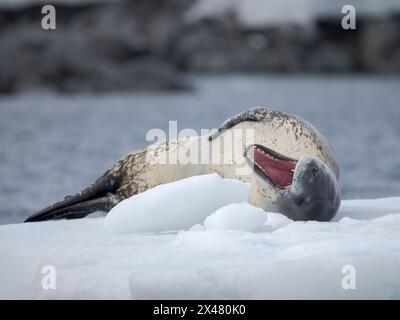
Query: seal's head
{"x": 294, "y": 170}
{"x": 304, "y": 190}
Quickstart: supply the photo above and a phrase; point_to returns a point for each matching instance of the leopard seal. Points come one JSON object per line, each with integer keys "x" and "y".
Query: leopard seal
{"x": 288, "y": 162}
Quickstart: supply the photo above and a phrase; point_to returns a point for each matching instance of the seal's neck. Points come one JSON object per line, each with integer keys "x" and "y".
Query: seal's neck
{"x": 262, "y": 196}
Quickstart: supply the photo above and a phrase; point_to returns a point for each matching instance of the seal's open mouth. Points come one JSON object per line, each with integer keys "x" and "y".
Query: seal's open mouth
{"x": 277, "y": 168}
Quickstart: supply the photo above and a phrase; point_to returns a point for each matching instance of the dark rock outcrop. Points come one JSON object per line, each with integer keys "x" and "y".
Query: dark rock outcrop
{"x": 141, "y": 44}
{"x": 116, "y": 46}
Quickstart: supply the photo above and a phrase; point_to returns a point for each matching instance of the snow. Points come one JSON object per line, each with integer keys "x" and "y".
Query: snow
{"x": 259, "y": 13}
{"x": 236, "y": 216}
{"x": 236, "y": 252}
{"x": 253, "y": 13}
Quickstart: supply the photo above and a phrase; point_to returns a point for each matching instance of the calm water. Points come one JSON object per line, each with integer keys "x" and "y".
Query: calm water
{"x": 52, "y": 145}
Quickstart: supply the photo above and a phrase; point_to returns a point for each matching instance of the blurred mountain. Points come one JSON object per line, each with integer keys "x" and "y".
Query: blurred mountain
{"x": 139, "y": 44}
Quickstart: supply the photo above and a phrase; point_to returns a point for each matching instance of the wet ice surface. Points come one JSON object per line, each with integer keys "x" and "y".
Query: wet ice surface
{"x": 54, "y": 145}
{"x": 283, "y": 259}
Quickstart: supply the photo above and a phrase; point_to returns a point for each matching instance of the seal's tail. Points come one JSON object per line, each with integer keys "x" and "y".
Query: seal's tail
{"x": 99, "y": 196}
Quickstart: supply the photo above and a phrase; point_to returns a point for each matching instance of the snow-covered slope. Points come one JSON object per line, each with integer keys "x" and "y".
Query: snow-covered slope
{"x": 258, "y": 13}
{"x": 278, "y": 258}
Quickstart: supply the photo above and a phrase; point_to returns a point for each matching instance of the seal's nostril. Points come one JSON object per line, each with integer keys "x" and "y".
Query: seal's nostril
{"x": 299, "y": 201}
{"x": 314, "y": 171}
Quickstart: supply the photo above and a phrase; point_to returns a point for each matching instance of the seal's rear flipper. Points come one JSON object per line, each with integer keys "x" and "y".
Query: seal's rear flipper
{"x": 75, "y": 211}
{"x": 98, "y": 197}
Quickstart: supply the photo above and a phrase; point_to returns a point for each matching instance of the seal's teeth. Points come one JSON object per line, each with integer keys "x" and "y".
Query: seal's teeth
{"x": 262, "y": 152}
{"x": 259, "y": 167}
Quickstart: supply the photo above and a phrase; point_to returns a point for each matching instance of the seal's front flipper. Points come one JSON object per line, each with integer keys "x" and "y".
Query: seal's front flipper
{"x": 100, "y": 196}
